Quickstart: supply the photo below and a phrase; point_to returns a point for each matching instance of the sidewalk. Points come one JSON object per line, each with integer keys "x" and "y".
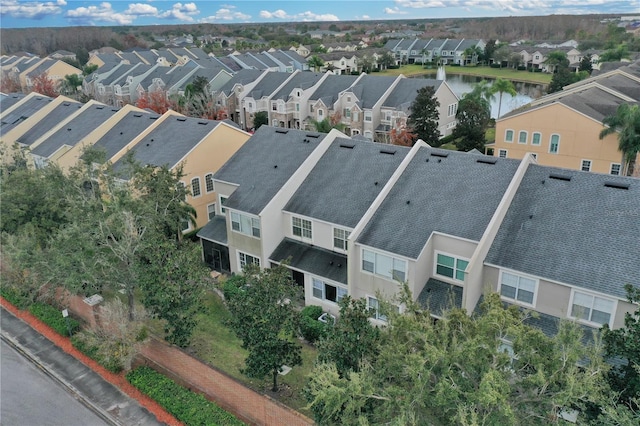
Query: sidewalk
{"x": 104, "y": 398}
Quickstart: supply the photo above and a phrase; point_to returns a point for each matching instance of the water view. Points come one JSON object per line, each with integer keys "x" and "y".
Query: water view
{"x": 461, "y": 84}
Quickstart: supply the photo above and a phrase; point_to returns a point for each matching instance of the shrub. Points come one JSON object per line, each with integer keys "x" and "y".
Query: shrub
{"x": 310, "y": 328}
{"x": 14, "y": 296}
{"x": 231, "y": 286}
{"x": 188, "y": 407}
{"x": 521, "y": 68}
{"x": 53, "y": 318}
{"x": 495, "y": 65}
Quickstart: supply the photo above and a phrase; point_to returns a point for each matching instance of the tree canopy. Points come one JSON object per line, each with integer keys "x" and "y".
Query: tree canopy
{"x": 424, "y": 116}
{"x": 625, "y": 121}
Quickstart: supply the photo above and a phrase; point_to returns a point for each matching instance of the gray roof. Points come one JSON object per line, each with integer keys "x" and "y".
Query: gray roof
{"x": 264, "y": 164}
{"x": 148, "y": 56}
{"x": 370, "y": 88}
{"x": 9, "y": 100}
{"x": 76, "y": 129}
{"x": 350, "y": 174}
{"x": 312, "y": 259}
{"x": 450, "y": 192}
{"x": 268, "y": 84}
{"x": 331, "y": 86}
{"x": 120, "y": 73}
{"x": 451, "y": 44}
{"x": 131, "y": 57}
{"x": 241, "y": 77}
{"x": 438, "y": 297}
{"x": 124, "y": 131}
{"x": 265, "y": 59}
{"x": 405, "y": 92}
{"x": 301, "y": 80}
{"x": 42, "y": 67}
{"x": 49, "y": 121}
{"x": 250, "y": 61}
{"x": 22, "y": 112}
{"x": 215, "y": 230}
{"x": 579, "y": 232}
{"x": 229, "y": 62}
{"x": 170, "y": 141}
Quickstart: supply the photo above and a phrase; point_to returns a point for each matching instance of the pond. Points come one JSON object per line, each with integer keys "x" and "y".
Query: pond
{"x": 527, "y": 92}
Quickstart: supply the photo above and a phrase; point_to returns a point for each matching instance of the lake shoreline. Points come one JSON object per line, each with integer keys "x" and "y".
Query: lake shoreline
{"x": 490, "y": 77}
{"x": 482, "y": 72}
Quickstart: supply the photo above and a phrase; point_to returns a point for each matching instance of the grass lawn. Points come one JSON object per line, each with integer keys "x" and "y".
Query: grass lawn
{"x": 217, "y": 345}
{"x": 506, "y": 73}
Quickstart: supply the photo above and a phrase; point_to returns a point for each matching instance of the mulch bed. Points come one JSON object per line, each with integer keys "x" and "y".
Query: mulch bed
{"x": 117, "y": 380}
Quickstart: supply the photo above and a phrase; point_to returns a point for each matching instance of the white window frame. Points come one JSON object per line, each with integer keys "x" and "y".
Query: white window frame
{"x": 373, "y": 306}
{"x": 196, "y": 189}
{"x": 533, "y": 138}
{"x": 557, "y": 150}
{"x": 341, "y": 234}
{"x": 243, "y": 258}
{"x": 319, "y": 290}
{"x": 452, "y": 110}
{"x": 208, "y": 178}
{"x": 500, "y": 151}
{"x": 368, "y": 116}
{"x": 302, "y": 228}
{"x": 506, "y": 132}
{"x": 594, "y": 296}
{"x": 618, "y": 165}
{"x": 320, "y": 114}
{"x": 245, "y": 224}
{"x": 377, "y": 257}
{"x": 456, "y": 259}
{"x": 211, "y": 208}
{"x": 221, "y": 200}
{"x": 582, "y": 165}
{"x": 515, "y": 300}
{"x": 526, "y": 136}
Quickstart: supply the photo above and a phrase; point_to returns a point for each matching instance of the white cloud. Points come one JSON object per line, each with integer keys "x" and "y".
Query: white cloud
{"x": 304, "y": 16}
{"x": 539, "y": 7}
{"x": 32, "y": 9}
{"x": 181, "y": 12}
{"x": 394, "y": 11}
{"x": 101, "y": 13}
{"x": 227, "y": 14}
{"x": 141, "y": 9}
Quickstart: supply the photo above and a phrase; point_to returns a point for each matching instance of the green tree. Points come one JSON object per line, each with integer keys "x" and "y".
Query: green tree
{"x": 626, "y": 121}
{"x": 615, "y": 54}
{"x": 556, "y": 60}
{"x": 472, "y": 122}
{"x": 260, "y": 119}
{"x": 70, "y": 85}
{"x": 315, "y": 62}
{"x": 501, "y": 55}
{"x": 489, "y": 48}
{"x": 502, "y": 86}
{"x": 352, "y": 338}
{"x": 264, "y": 318}
{"x": 585, "y": 64}
{"x": 624, "y": 343}
{"x": 424, "y": 116}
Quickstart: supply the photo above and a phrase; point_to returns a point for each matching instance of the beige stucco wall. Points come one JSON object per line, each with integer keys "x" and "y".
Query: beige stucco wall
{"x": 579, "y": 139}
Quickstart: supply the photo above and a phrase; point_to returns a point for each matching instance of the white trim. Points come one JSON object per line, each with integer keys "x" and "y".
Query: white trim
{"x": 512, "y": 136}
{"x": 302, "y": 229}
{"x": 582, "y": 164}
{"x": 251, "y": 217}
{"x": 383, "y": 253}
{"x": 221, "y": 206}
{"x": 539, "y": 141}
{"x": 199, "y": 187}
{"x": 593, "y": 294}
{"x": 326, "y": 282}
{"x": 505, "y": 153}
{"x": 214, "y": 210}
{"x": 619, "y": 169}
{"x": 516, "y": 301}
{"x": 455, "y": 257}
{"x": 377, "y": 316}
{"x": 238, "y": 252}
{"x": 526, "y": 137}
{"x": 558, "y": 147}
{"x": 346, "y": 239}
{"x": 212, "y": 183}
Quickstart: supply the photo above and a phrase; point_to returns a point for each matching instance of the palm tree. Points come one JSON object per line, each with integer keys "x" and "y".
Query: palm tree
{"x": 626, "y": 121}
{"x": 315, "y": 62}
{"x": 503, "y": 86}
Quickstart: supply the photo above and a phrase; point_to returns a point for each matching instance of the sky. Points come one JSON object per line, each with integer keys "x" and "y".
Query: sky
{"x": 64, "y": 13}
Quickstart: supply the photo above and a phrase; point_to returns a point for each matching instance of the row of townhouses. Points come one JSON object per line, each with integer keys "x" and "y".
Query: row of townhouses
{"x": 563, "y": 129}
{"x": 24, "y": 70}
{"x": 535, "y": 57}
{"x": 449, "y": 51}
{"x": 367, "y": 105}
{"x": 352, "y": 217}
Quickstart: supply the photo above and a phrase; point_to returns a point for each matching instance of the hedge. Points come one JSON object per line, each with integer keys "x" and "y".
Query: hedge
{"x": 189, "y": 407}
{"x": 54, "y": 319}
{"x": 310, "y": 328}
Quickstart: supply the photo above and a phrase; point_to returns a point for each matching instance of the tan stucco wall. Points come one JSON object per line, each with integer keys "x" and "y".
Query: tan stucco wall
{"x": 579, "y": 139}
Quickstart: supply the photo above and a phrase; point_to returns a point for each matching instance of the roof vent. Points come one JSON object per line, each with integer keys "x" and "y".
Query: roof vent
{"x": 120, "y": 132}
{"x": 181, "y": 118}
{"x": 275, "y": 167}
{"x": 488, "y": 160}
{"x": 66, "y": 104}
{"x": 427, "y": 160}
{"x": 310, "y": 135}
{"x": 347, "y": 145}
{"x": 68, "y": 129}
{"x": 154, "y": 117}
{"x": 284, "y": 132}
{"x": 375, "y": 183}
{"x": 137, "y": 115}
{"x": 388, "y": 151}
{"x": 114, "y": 110}
{"x": 440, "y": 154}
{"x": 204, "y": 123}
{"x": 408, "y": 201}
{"x": 616, "y": 185}
{"x": 100, "y": 107}
{"x": 560, "y": 177}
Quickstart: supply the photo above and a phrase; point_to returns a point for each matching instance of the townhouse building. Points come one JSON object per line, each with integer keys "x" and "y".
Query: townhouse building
{"x": 288, "y": 105}
{"x": 351, "y": 217}
{"x": 447, "y": 51}
{"x": 231, "y": 93}
{"x": 258, "y": 98}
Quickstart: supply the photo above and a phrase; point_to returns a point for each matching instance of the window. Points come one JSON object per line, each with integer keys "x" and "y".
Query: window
{"x": 451, "y": 267}
{"x": 388, "y": 116}
{"x": 517, "y": 288}
{"x": 340, "y": 237}
{"x": 508, "y": 136}
{"x": 346, "y": 112}
{"x": 585, "y": 166}
{"x": 502, "y": 153}
{"x": 247, "y": 259}
{"x": 374, "y": 309}
{"x": 348, "y": 97}
{"x": 186, "y": 225}
{"x": 211, "y": 211}
{"x": 615, "y": 169}
{"x": 522, "y": 137}
{"x": 536, "y": 137}
{"x": 355, "y": 116}
{"x": 208, "y": 182}
{"x": 301, "y": 227}
{"x": 453, "y": 108}
{"x": 320, "y": 113}
{"x": 222, "y": 200}
{"x": 274, "y": 107}
{"x": 383, "y": 265}
{"x": 297, "y": 107}
{"x": 245, "y": 225}
{"x": 590, "y": 308}
{"x": 367, "y": 116}
{"x": 554, "y": 144}
{"x": 310, "y": 108}
{"x": 326, "y": 291}
{"x": 195, "y": 187}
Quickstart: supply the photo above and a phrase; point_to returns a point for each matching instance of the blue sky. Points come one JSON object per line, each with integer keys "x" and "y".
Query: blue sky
{"x": 57, "y": 13}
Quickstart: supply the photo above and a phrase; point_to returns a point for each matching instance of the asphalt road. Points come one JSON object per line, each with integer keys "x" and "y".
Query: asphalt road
{"x": 28, "y": 396}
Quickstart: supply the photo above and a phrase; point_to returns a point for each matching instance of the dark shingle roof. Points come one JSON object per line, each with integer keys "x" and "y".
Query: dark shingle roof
{"x": 22, "y": 112}
{"x": 302, "y": 80}
{"x": 170, "y": 141}
{"x": 10, "y": 100}
{"x": 579, "y": 232}
{"x": 49, "y": 121}
{"x": 370, "y": 88}
{"x": 267, "y": 85}
{"x": 241, "y": 77}
{"x": 331, "y": 86}
{"x": 124, "y": 131}
{"x": 264, "y": 164}
{"x": 350, "y": 174}
{"x": 316, "y": 260}
{"x": 456, "y": 195}
{"x": 215, "y": 230}
{"x": 406, "y": 91}
{"x": 76, "y": 129}
{"x": 438, "y": 296}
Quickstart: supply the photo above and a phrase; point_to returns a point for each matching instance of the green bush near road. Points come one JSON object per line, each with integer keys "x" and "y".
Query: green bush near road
{"x": 53, "y": 318}
{"x": 188, "y": 407}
